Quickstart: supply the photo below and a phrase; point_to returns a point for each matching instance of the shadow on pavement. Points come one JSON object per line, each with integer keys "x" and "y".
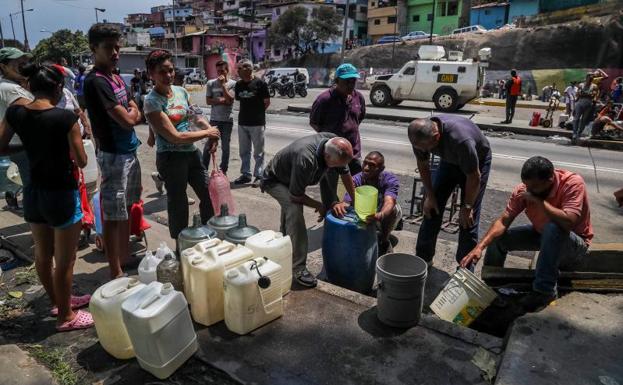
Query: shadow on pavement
{"x": 369, "y": 322}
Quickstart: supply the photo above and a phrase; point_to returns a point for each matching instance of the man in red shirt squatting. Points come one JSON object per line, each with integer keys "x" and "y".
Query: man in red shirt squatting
{"x": 556, "y": 203}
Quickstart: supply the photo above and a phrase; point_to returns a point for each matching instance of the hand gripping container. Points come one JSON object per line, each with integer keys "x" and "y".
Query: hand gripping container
{"x": 160, "y": 328}
{"x": 277, "y": 248}
{"x": 251, "y": 300}
{"x": 105, "y": 307}
{"x": 205, "y": 280}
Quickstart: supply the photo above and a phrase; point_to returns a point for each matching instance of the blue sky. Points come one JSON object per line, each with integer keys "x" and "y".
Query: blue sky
{"x": 53, "y": 15}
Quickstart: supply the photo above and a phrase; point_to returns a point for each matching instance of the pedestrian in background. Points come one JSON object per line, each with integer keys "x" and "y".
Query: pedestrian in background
{"x": 254, "y": 99}
{"x": 570, "y": 95}
{"x": 52, "y": 140}
{"x": 113, "y": 115}
{"x": 583, "y": 113}
{"x": 177, "y": 159}
{"x": 79, "y": 86}
{"x": 513, "y": 90}
{"x": 340, "y": 110}
{"x": 70, "y": 76}
{"x": 13, "y": 92}
{"x": 220, "y": 95}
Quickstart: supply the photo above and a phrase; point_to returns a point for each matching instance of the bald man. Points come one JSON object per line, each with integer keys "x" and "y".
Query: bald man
{"x": 465, "y": 161}
{"x": 299, "y": 165}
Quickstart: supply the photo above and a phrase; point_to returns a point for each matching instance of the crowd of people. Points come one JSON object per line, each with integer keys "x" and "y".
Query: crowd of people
{"x": 46, "y": 142}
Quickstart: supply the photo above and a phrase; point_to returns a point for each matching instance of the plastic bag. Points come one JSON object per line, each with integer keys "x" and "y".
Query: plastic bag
{"x": 195, "y": 114}
{"x": 220, "y": 191}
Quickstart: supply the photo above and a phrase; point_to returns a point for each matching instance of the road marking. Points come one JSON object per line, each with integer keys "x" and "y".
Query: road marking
{"x": 495, "y": 155}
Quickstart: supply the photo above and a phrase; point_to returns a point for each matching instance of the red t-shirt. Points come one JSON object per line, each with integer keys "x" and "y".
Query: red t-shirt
{"x": 568, "y": 194}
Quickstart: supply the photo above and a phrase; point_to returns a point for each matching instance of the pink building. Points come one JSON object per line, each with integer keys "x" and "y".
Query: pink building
{"x": 216, "y": 47}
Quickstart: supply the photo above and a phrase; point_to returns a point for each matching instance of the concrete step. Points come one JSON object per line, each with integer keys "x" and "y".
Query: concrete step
{"x": 18, "y": 368}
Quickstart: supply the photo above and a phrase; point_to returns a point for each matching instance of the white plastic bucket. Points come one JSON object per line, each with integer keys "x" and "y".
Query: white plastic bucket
{"x": 463, "y": 299}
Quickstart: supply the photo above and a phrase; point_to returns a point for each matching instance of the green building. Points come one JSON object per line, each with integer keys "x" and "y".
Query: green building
{"x": 448, "y": 15}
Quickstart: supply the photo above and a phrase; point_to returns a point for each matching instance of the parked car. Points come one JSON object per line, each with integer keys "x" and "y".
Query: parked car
{"x": 389, "y": 39}
{"x": 470, "y": 29}
{"x": 416, "y": 35}
{"x": 193, "y": 76}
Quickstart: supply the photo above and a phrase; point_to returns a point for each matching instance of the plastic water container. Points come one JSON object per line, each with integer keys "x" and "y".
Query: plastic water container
{"x": 200, "y": 248}
{"x": 220, "y": 191}
{"x": 90, "y": 170}
{"x": 223, "y": 222}
{"x": 159, "y": 325}
{"x": 147, "y": 267}
{"x": 105, "y": 307}
{"x": 277, "y": 248}
{"x": 349, "y": 252}
{"x": 205, "y": 279}
{"x": 194, "y": 234}
{"x": 366, "y": 200}
{"x": 463, "y": 299}
{"x": 249, "y": 302}
{"x": 169, "y": 270}
{"x": 400, "y": 294}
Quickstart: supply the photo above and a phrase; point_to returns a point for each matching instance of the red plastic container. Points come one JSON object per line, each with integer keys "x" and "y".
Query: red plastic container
{"x": 536, "y": 118}
{"x": 220, "y": 191}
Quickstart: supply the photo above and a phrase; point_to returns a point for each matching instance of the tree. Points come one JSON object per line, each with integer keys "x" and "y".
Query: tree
{"x": 14, "y": 43}
{"x": 63, "y": 43}
{"x": 294, "y": 29}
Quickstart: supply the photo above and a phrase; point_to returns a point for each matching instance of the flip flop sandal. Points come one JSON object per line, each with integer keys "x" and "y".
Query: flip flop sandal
{"x": 82, "y": 320}
{"x": 76, "y": 303}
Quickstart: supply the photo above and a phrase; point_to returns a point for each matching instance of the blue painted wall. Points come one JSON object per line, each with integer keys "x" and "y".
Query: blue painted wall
{"x": 522, "y": 8}
{"x": 489, "y": 17}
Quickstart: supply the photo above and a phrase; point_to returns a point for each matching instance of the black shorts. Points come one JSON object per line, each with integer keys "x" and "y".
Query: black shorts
{"x": 55, "y": 208}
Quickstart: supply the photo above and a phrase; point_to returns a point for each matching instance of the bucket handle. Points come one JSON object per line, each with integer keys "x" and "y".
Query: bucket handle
{"x": 381, "y": 286}
{"x": 222, "y": 249}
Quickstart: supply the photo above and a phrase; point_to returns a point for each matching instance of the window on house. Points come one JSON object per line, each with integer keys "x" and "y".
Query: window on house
{"x": 429, "y": 17}
{"x": 391, "y": 20}
{"x": 415, "y": 18}
{"x": 453, "y": 8}
{"x": 377, "y": 21}
{"x": 259, "y": 44}
{"x": 278, "y": 11}
{"x": 441, "y": 8}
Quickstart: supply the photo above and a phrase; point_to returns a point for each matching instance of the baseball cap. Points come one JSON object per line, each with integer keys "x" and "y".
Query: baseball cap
{"x": 346, "y": 71}
{"x": 11, "y": 53}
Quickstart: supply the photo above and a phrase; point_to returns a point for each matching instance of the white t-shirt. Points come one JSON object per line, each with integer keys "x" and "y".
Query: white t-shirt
{"x": 69, "y": 102}
{"x": 70, "y": 79}
{"x": 9, "y": 93}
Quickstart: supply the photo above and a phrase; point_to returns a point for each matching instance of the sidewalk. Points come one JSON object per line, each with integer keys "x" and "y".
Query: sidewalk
{"x": 486, "y": 123}
{"x": 534, "y": 104}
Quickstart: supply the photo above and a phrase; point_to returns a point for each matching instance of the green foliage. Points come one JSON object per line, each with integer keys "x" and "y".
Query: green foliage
{"x": 63, "y": 43}
{"x": 293, "y": 29}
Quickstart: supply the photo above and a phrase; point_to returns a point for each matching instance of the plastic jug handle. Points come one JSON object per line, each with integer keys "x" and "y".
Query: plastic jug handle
{"x": 196, "y": 260}
{"x": 222, "y": 249}
{"x": 146, "y": 303}
{"x": 213, "y": 242}
{"x": 112, "y": 293}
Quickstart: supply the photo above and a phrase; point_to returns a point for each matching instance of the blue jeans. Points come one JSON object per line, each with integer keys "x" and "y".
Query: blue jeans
{"x": 559, "y": 249}
{"x": 225, "y": 129}
{"x": 251, "y": 136}
{"x": 445, "y": 179}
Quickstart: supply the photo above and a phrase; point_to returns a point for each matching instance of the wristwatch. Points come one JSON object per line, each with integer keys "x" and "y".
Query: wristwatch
{"x": 467, "y": 206}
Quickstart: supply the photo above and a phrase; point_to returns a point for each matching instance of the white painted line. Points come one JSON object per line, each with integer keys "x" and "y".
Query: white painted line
{"x": 495, "y": 155}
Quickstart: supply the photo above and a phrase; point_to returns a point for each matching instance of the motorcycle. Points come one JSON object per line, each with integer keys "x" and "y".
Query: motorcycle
{"x": 274, "y": 86}
{"x": 301, "y": 88}
{"x": 287, "y": 87}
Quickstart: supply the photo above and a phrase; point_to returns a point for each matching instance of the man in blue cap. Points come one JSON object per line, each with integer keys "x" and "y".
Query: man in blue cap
{"x": 340, "y": 110}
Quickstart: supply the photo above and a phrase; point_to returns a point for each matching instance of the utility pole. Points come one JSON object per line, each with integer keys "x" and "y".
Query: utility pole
{"x": 432, "y": 23}
{"x": 99, "y": 10}
{"x": 395, "y": 35}
{"x": 12, "y": 28}
{"x": 26, "y": 47}
{"x": 1, "y": 36}
{"x": 344, "y": 29}
{"x": 251, "y": 34}
{"x": 174, "y": 34}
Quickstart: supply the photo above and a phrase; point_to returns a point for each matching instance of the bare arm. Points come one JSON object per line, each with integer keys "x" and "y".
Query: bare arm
{"x": 306, "y": 200}
{"x": 227, "y": 94}
{"x": 497, "y": 229}
{"x": 472, "y": 187}
{"x": 125, "y": 118}
{"x": 349, "y": 185}
{"x": 565, "y": 220}
{"x": 162, "y": 126}
{"x": 6, "y": 133}
{"x": 388, "y": 206}
{"x": 78, "y": 153}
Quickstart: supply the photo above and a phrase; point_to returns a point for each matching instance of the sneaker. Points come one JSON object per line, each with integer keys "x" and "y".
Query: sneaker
{"x": 305, "y": 278}
{"x": 158, "y": 181}
{"x": 504, "y": 122}
{"x": 191, "y": 201}
{"x": 242, "y": 179}
{"x": 256, "y": 182}
{"x": 536, "y": 301}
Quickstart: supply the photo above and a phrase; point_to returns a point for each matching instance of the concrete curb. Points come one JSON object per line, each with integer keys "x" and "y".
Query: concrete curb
{"x": 502, "y": 103}
{"x": 531, "y": 131}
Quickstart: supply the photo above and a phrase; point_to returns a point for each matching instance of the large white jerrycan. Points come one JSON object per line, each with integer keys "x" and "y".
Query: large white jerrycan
{"x": 277, "y": 248}
{"x": 205, "y": 278}
{"x": 160, "y": 328}
{"x": 105, "y": 307}
{"x": 198, "y": 250}
{"x": 90, "y": 170}
{"x": 251, "y": 300}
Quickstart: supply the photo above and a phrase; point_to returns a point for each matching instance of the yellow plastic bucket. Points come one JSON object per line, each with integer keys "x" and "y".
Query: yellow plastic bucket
{"x": 366, "y": 198}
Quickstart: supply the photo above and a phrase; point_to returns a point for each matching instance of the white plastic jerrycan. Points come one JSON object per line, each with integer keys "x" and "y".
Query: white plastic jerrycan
{"x": 252, "y": 295}
{"x": 147, "y": 267}
{"x": 198, "y": 250}
{"x": 160, "y": 328}
{"x": 277, "y": 248}
{"x": 205, "y": 280}
{"x": 105, "y": 307}
{"x": 90, "y": 170}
